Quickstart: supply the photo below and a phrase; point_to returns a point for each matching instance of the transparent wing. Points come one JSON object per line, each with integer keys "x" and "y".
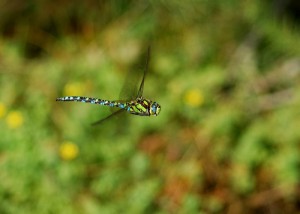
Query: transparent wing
{"x": 141, "y": 89}
{"x": 108, "y": 117}
{"x": 134, "y": 84}
{"x": 130, "y": 90}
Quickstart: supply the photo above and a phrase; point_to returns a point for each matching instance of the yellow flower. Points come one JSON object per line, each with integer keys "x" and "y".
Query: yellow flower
{"x": 14, "y": 119}
{"x": 68, "y": 150}
{"x": 73, "y": 89}
{"x": 194, "y": 97}
{"x": 2, "y": 110}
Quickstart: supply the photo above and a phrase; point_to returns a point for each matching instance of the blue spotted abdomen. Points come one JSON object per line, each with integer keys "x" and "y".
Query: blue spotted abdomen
{"x": 93, "y": 101}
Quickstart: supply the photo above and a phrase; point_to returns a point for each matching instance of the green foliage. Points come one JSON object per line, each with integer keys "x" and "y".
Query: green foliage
{"x": 226, "y": 74}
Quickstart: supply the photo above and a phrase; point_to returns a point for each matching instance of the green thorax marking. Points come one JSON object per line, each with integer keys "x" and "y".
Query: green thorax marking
{"x": 140, "y": 106}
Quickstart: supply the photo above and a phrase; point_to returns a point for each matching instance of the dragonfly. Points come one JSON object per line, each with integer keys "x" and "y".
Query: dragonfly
{"x": 138, "y": 105}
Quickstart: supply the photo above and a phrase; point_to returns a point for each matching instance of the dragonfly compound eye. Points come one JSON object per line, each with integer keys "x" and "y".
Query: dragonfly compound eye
{"x": 155, "y": 108}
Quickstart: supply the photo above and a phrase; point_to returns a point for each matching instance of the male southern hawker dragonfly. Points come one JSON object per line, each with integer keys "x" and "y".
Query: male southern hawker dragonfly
{"x": 137, "y": 106}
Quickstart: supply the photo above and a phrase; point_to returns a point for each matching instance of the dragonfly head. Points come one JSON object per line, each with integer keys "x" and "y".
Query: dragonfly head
{"x": 154, "y": 109}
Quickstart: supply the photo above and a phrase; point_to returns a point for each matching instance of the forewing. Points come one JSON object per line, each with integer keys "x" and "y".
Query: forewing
{"x": 141, "y": 89}
{"x": 134, "y": 82}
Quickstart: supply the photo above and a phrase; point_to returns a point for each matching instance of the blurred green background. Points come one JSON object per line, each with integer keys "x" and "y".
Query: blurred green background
{"x": 226, "y": 74}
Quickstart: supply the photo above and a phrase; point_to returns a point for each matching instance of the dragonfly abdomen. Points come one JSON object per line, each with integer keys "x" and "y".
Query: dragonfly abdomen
{"x": 93, "y": 101}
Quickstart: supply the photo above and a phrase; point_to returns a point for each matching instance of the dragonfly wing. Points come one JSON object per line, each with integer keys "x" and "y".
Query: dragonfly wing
{"x": 141, "y": 89}
{"x": 133, "y": 85}
{"x": 109, "y": 116}
{"x": 130, "y": 91}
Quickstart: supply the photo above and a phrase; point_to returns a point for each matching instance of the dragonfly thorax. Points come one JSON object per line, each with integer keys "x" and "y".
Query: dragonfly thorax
{"x": 143, "y": 107}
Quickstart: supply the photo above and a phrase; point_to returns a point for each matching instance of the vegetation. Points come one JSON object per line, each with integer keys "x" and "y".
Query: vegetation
{"x": 226, "y": 74}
